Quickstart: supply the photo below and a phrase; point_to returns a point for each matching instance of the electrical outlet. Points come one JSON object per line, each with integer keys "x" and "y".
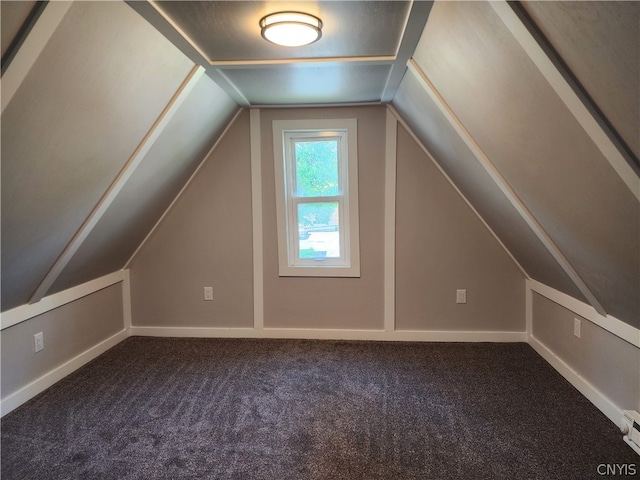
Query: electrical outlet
{"x": 461, "y": 296}
{"x": 208, "y": 293}
{"x": 38, "y": 342}
{"x": 577, "y": 323}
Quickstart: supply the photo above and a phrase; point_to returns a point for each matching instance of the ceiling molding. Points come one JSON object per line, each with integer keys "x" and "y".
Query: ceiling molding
{"x": 145, "y": 145}
{"x": 31, "y": 48}
{"x": 228, "y": 86}
{"x": 177, "y": 28}
{"x": 585, "y": 116}
{"x": 341, "y": 63}
{"x": 370, "y": 60}
{"x": 504, "y": 186}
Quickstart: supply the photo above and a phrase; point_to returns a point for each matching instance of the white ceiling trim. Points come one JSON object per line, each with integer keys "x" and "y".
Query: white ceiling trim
{"x": 568, "y": 96}
{"x": 31, "y": 49}
{"x": 369, "y": 60}
{"x": 118, "y": 184}
{"x": 177, "y": 28}
{"x": 503, "y": 185}
{"x": 284, "y": 61}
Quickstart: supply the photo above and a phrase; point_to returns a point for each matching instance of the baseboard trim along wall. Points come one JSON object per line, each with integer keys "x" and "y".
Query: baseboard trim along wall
{"x": 610, "y": 324}
{"x": 14, "y": 400}
{"x": 595, "y": 396}
{"x": 331, "y": 334}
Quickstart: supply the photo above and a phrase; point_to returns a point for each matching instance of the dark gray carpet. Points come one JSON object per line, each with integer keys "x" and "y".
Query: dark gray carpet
{"x": 154, "y": 408}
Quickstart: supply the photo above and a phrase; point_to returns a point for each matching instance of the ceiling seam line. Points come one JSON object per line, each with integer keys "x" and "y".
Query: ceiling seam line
{"x": 504, "y": 186}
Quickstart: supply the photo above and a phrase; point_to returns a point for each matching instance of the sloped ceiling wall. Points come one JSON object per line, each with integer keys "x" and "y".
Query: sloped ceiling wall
{"x": 14, "y": 16}
{"x": 106, "y": 77}
{"x": 97, "y": 89}
{"x": 600, "y": 42}
{"x": 546, "y": 159}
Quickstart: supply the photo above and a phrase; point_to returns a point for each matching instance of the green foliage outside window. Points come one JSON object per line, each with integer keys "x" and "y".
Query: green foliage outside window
{"x": 317, "y": 168}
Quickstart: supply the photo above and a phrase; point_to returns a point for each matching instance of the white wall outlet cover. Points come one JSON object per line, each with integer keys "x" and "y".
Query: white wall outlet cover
{"x": 461, "y": 296}
{"x": 208, "y": 293}
{"x": 38, "y": 342}
{"x": 577, "y": 324}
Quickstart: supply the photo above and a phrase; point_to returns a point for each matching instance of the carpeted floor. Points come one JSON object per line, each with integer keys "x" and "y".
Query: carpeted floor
{"x": 155, "y": 408}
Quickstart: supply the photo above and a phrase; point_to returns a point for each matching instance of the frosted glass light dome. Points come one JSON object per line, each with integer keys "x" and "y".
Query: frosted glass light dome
{"x": 291, "y": 29}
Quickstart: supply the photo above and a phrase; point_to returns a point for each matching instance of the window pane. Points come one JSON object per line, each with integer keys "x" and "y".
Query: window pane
{"x": 316, "y": 168}
{"x": 318, "y": 230}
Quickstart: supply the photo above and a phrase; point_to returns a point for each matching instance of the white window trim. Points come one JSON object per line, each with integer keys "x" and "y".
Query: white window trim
{"x": 349, "y": 265}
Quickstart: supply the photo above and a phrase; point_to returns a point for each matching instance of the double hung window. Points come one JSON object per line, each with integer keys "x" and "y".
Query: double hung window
{"x": 317, "y": 197}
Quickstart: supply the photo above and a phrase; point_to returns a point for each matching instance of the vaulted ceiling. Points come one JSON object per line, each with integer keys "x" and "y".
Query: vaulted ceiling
{"x": 361, "y": 57}
{"x": 531, "y": 108}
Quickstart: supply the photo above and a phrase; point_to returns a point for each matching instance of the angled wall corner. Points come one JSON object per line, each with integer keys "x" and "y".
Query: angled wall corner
{"x": 442, "y": 246}
{"x": 66, "y": 137}
{"x": 541, "y": 151}
{"x": 171, "y": 157}
{"x": 204, "y": 239}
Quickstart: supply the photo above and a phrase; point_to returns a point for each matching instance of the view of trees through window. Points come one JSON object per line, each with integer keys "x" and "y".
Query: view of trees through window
{"x": 317, "y": 177}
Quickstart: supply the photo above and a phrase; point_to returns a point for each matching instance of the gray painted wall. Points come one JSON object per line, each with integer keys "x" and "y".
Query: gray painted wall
{"x": 599, "y": 41}
{"x": 13, "y": 15}
{"x": 342, "y": 303}
{"x": 80, "y": 113}
{"x": 204, "y": 240}
{"x": 68, "y": 331}
{"x": 607, "y": 362}
{"x": 441, "y": 246}
{"x": 539, "y": 148}
{"x": 175, "y": 155}
{"x": 438, "y": 136}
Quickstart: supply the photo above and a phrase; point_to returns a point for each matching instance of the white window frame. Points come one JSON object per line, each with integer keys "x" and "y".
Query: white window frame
{"x": 284, "y": 133}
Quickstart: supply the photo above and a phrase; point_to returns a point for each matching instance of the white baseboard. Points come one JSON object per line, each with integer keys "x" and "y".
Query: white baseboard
{"x": 595, "y": 396}
{"x": 17, "y": 398}
{"x": 330, "y": 334}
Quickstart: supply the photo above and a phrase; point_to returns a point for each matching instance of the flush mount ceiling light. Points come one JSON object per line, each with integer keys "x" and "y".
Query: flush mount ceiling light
{"x": 291, "y": 29}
